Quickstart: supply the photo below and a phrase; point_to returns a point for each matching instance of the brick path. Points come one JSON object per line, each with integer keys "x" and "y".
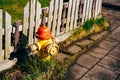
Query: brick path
{"x": 101, "y": 62}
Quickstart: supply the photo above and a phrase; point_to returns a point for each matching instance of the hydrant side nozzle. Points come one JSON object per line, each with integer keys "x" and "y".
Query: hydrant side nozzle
{"x": 33, "y": 48}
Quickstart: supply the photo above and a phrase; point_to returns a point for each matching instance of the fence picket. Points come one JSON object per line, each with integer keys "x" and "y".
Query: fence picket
{"x": 1, "y": 34}
{"x": 0, "y": 18}
{"x": 25, "y": 24}
{"x": 96, "y": 8}
{"x": 100, "y": 6}
{"x": 76, "y": 13}
{"x": 59, "y": 16}
{"x": 90, "y": 9}
{"x": 84, "y": 11}
{"x": 1, "y": 44}
{"x": 68, "y": 15}
{"x": 8, "y": 29}
{"x": 50, "y": 17}
{"x": 87, "y": 9}
{"x": 38, "y": 13}
{"x": 72, "y": 14}
{"x": 55, "y": 17}
{"x": 31, "y": 23}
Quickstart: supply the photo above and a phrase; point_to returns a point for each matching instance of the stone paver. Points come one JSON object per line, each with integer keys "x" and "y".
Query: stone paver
{"x": 118, "y": 46}
{"x": 76, "y": 72}
{"x": 100, "y": 73}
{"x": 87, "y": 61}
{"x": 113, "y": 24}
{"x": 84, "y": 78}
{"x": 73, "y": 49}
{"x": 84, "y": 43}
{"x": 98, "y": 52}
{"x": 104, "y": 33}
{"x": 96, "y": 37}
{"x": 107, "y": 45}
{"x": 115, "y": 54}
{"x": 113, "y": 38}
{"x": 61, "y": 56}
{"x": 110, "y": 63}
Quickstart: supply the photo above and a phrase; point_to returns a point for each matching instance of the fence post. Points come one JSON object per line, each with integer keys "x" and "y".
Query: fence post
{"x": 68, "y": 15}
{"x": 84, "y": 11}
{"x": 1, "y": 34}
{"x": 72, "y": 14}
{"x": 59, "y": 16}
{"x": 31, "y": 23}
{"x": 80, "y": 12}
{"x": 38, "y": 20}
{"x": 90, "y": 9}
{"x": 25, "y": 25}
{"x": 50, "y": 14}
{"x": 8, "y": 29}
{"x": 55, "y": 17}
{"x": 96, "y": 8}
{"x": 62, "y": 29}
{"x": 76, "y": 13}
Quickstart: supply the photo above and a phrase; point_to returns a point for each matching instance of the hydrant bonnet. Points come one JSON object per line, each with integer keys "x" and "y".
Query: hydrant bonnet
{"x": 44, "y": 33}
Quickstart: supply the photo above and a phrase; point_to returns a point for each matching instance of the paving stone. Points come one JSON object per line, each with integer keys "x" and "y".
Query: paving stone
{"x": 118, "y": 47}
{"x": 98, "y": 52}
{"x": 115, "y": 54}
{"x": 110, "y": 63}
{"x": 61, "y": 56}
{"x": 87, "y": 60}
{"x": 84, "y": 43}
{"x": 113, "y": 24}
{"x": 84, "y": 78}
{"x": 104, "y": 32}
{"x": 107, "y": 45}
{"x": 100, "y": 73}
{"x": 73, "y": 49}
{"x": 96, "y": 37}
{"x": 77, "y": 71}
{"x": 113, "y": 38}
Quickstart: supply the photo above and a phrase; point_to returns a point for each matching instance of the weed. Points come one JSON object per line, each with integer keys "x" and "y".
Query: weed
{"x": 88, "y": 25}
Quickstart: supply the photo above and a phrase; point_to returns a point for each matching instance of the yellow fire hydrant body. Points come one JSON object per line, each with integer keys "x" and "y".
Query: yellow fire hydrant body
{"x": 46, "y": 46}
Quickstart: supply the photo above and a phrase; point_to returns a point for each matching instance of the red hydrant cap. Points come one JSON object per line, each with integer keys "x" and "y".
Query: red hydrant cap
{"x": 43, "y": 33}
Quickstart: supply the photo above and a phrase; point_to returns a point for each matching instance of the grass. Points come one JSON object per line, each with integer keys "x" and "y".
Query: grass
{"x": 15, "y": 7}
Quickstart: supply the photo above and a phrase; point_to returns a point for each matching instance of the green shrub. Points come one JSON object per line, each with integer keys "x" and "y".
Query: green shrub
{"x": 88, "y": 25}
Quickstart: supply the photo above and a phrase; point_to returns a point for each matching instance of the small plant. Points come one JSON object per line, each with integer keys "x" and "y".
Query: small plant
{"x": 88, "y": 25}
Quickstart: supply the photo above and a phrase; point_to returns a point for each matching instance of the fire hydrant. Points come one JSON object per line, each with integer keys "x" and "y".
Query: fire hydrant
{"x": 46, "y": 46}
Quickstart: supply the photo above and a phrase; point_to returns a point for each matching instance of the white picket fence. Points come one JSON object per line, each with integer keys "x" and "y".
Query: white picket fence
{"x": 62, "y": 18}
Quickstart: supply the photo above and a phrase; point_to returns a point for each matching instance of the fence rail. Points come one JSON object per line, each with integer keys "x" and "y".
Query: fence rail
{"x": 62, "y": 18}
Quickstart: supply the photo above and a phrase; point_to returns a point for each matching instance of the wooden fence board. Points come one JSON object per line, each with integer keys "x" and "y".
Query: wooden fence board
{"x": 76, "y": 13}
{"x": 96, "y": 8}
{"x": 8, "y": 29}
{"x": 59, "y": 16}
{"x": 100, "y": 6}
{"x": 25, "y": 24}
{"x": 84, "y": 11}
{"x": 31, "y": 23}
{"x": 68, "y": 15}
{"x": 0, "y": 18}
{"x": 1, "y": 44}
{"x": 38, "y": 20}
{"x": 72, "y": 14}
{"x": 55, "y": 17}
{"x": 50, "y": 17}
{"x": 90, "y": 9}
{"x": 87, "y": 9}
